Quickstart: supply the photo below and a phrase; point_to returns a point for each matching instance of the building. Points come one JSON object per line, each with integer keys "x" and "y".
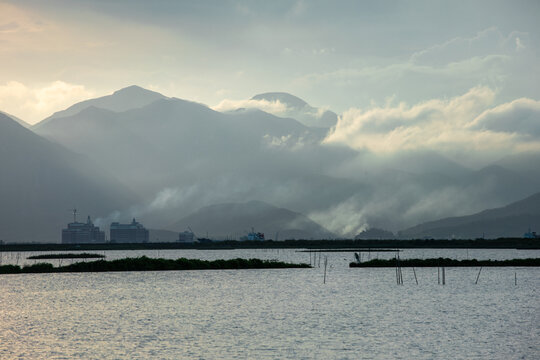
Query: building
{"x": 129, "y": 233}
{"x": 82, "y": 233}
{"x": 186, "y": 236}
{"x": 531, "y": 235}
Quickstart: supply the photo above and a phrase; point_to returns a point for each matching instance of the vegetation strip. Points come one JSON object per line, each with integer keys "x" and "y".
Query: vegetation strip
{"x": 435, "y": 262}
{"x": 147, "y": 264}
{"x": 67, "y": 256}
{"x": 503, "y": 243}
{"x": 349, "y": 250}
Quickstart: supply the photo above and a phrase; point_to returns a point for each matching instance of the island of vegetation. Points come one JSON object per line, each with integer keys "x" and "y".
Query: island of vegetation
{"x": 445, "y": 262}
{"x": 67, "y": 256}
{"x": 147, "y": 264}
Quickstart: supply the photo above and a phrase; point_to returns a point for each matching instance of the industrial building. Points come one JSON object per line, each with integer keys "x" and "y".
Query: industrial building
{"x": 129, "y": 233}
{"x": 82, "y": 233}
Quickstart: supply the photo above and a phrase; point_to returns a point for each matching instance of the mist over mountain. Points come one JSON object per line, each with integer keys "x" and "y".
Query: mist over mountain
{"x": 234, "y": 220}
{"x": 180, "y": 156}
{"x": 41, "y": 180}
{"x": 512, "y": 220}
{"x": 300, "y": 110}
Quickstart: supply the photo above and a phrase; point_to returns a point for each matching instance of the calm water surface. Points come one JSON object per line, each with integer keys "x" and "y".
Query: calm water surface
{"x": 274, "y": 314}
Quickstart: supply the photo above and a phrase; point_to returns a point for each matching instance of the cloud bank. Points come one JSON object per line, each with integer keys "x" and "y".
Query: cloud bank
{"x": 33, "y": 104}
{"x": 468, "y": 125}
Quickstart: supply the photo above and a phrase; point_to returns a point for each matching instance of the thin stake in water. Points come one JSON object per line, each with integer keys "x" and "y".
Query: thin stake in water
{"x": 325, "y": 263}
{"x": 478, "y": 276}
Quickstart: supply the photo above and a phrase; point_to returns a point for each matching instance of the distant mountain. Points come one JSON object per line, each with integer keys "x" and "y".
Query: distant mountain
{"x": 301, "y": 110}
{"x": 41, "y": 180}
{"x": 180, "y": 156}
{"x": 512, "y": 220}
{"x": 234, "y": 220}
{"x": 122, "y": 100}
{"x": 173, "y": 142}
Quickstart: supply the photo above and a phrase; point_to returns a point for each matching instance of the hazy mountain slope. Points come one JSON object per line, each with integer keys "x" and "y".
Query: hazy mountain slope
{"x": 512, "y": 220}
{"x": 234, "y": 220}
{"x": 301, "y": 110}
{"x": 40, "y": 181}
{"x": 121, "y": 100}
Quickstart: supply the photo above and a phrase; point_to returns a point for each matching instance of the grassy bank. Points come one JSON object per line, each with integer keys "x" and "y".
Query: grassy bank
{"x": 446, "y": 262}
{"x": 147, "y": 264}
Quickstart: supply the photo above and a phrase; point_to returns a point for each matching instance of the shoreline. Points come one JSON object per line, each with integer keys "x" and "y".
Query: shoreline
{"x": 358, "y": 245}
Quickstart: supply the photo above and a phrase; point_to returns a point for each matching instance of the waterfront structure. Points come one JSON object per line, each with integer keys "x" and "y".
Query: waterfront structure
{"x": 531, "y": 235}
{"x": 82, "y": 233}
{"x": 255, "y": 236}
{"x": 129, "y": 233}
{"x": 186, "y": 236}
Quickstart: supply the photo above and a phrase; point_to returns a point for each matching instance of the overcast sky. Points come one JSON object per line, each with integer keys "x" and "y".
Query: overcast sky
{"x": 349, "y": 56}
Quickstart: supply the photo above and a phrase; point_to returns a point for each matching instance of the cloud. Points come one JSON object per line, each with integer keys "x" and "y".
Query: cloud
{"x": 33, "y": 104}
{"x": 484, "y": 43}
{"x": 521, "y": 116}
{"x": 463, "y": 125}
{"x": 273, "y": 107}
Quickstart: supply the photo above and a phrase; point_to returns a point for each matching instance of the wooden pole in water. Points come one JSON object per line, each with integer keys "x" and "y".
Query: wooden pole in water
{"x": 443, "y": 275}
{"x": 400, "y": 272}
{"x": 478, "y": 276}
{"x": 415, "y": 278}
{"x": 325, "y": 263}
{"x": 438, "y": 274}
{"x": 319, "y": 259}
{"x": 397, "y": 271}
{"x": 515, "y": 278}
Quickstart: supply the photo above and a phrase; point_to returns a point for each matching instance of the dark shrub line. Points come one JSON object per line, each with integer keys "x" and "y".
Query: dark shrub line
{"x": 144, "y": 263}
{"x": 435, "y": 262}
{"x": 67, "y": 256}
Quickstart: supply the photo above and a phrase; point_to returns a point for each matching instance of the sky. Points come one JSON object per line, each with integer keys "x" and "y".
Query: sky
{"x": 361, "y": 59}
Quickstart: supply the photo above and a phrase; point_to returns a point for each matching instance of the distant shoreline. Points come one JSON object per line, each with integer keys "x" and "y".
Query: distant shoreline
{"x": 502, "y": 243}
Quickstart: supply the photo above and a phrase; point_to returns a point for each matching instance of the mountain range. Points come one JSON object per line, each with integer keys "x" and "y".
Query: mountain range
{"x": 512, "y": 220}
{"x": 172, "y": 163}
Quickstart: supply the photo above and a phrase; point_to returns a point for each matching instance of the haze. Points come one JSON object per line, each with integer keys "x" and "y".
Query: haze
{"x": 327, "y": 118}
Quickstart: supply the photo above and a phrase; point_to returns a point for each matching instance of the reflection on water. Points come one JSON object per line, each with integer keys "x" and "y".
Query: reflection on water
{"x": 257, "y": 314}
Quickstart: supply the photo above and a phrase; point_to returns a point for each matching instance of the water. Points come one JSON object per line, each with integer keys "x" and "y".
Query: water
{"x": 274, "y": 314}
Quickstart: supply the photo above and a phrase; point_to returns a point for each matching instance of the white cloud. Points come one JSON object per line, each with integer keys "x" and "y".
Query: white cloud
{"x": 462, "y": 128}
{"x": 33, "y": 104}
{"x": 521, "y": 116}
{"x": 273, "y": 107}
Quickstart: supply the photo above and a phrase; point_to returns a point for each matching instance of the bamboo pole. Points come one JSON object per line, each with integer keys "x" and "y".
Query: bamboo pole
{"x": 325, "y": 263}
{"x": 415, "y": 278}
{"x": 478, "y": 276}
{"x": 444, "y": 275}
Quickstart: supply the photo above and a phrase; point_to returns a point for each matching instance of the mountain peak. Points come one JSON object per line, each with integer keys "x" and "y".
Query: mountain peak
{"x": 283, "y": 97}
{"x": 127, "y": 98}
{"x": 135, "y": 90}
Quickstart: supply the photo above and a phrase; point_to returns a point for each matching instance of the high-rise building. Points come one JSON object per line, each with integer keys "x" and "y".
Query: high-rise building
{"x": 82, "y": 233}
{"x": 129, "y": 233}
